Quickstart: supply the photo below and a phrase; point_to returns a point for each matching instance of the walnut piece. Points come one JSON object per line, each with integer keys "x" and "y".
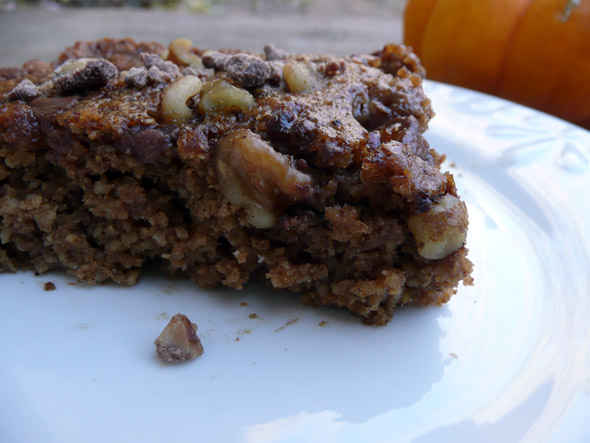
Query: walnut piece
{"x": 256, "y": 177}
{"x": 178, "y": 341}
{"x": 83, "y": 74}
{"x": 174, "y": 99}
{"x": 218, "y": 96}
{"x": 441, "y": 230}
{"x": 299, "y": 77}
{"x": 180, "y": 52}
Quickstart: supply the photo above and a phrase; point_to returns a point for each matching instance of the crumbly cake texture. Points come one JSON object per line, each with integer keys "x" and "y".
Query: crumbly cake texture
{"x": 307, "y": 172}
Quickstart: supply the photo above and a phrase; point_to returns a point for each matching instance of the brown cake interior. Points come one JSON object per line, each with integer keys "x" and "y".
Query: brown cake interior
{"x": 323, "y": 186}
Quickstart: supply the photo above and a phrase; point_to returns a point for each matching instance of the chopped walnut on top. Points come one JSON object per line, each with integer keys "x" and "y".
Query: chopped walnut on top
{"x": 178, "y": 341}
{"x": 180, "y": 51}
{"x": 175, "y": 97}
{"x": 256, "y": 177}
{"x": 218, "y": 96}
{"x": 300, "y": 77}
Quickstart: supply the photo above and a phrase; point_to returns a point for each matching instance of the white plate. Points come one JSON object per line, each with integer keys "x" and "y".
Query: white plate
{"x": 505, "y": 360}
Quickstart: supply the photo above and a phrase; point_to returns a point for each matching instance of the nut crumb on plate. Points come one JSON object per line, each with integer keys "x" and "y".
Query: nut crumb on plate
{"x": 49, "y": 286}
{"x": 290, "y": 322}
{"x": 178, "y": 341}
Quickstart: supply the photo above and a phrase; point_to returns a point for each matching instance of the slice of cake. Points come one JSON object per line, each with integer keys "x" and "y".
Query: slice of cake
{"x": 308, "y": 172}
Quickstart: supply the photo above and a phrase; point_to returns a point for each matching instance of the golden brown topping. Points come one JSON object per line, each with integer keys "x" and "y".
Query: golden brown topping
{"x": 441, "y": 230}
{"x": 405, "y": 173}
{"x": 395, "y": 57}
{"x": 174, "y": 99}
{"x": 178, "y": 341}
{"x": 299, "y": 77}
{"x": 180, "y": 52}
{"x": 256, "y": 177}
{"x": 83, "y": 74}
{"x": 219, "y": 96}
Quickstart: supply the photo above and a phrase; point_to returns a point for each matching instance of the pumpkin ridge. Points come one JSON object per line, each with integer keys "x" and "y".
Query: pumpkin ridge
{"x": 438, "y": 48}
{"x": 553, "y": 101}
{"x": 509, "y": 45}
{"x": 418, "y": 49}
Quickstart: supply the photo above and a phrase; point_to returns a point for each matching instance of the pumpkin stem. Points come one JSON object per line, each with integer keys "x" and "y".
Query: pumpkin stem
{"x": 569, "y": 8}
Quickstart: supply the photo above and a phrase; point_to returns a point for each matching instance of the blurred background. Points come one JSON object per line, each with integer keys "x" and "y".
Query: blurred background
{"x": 40, "y": 29}
{"x": 206, "y": 6}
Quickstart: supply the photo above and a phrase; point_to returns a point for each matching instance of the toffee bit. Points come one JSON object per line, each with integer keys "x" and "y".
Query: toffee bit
{"x": 276, "y": 71}
{"x": 334, "y": 68}
{"x": 155, "y": 75}
{"x": 83, "y": 75}
{"x": 168, "y": 70}
{"x": 25, "y": 90}
{"x": 188, "y": 71}
{"x": 215, "y": 60}
{"x": 273, "y": 53}
{"x": 179, "y": 342}
{"x": 49, "y": 286}
{"x": 247, "y": 70}
{"x": 136, "y": 77}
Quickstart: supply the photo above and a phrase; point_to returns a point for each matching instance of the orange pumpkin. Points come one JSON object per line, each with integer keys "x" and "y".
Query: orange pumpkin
{"x": 535, "y": 52}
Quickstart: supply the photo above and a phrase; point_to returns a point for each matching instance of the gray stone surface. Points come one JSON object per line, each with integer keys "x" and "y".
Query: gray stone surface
{"x": 27, "y": 33}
